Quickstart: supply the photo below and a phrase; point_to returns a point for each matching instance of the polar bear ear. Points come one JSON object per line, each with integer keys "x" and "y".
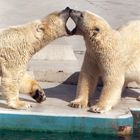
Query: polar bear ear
{"x": 40, "y": 28}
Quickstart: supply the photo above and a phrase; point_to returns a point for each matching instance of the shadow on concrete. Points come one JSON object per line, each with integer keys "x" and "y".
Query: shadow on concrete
{"x": 73, "y": 79}
{"x": 67, "y": 91}
{"x": 63, "y": 92}
{"x": 128, "y": 92}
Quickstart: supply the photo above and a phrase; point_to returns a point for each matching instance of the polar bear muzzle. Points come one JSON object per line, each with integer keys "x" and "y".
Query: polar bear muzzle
{"x": 65, "y": 14}
{"x": 76, "y": 17}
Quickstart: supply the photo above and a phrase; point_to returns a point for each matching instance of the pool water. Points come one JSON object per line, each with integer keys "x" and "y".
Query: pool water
{"x": 19, "y": 135}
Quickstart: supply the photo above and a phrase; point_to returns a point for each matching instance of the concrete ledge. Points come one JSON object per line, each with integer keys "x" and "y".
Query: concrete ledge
{"x": 56, "y": 123}
{"x": 55, "y": 115}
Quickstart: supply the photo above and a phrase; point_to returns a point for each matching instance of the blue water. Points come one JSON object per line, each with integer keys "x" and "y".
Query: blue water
{"x": 19, "y": 135}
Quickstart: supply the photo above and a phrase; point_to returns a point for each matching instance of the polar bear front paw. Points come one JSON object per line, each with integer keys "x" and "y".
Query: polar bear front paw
{"x": 20, "y": 105}
{"x": 100, "y": 108}
{"x": 78, "y": 103}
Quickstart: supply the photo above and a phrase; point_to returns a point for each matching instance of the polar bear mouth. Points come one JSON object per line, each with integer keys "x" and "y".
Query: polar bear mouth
{"x": 70, "y": 26}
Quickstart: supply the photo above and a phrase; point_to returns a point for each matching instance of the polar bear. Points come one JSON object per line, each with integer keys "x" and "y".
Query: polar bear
{"x": 113, "y": 55}
{"x": 17, "y": 45}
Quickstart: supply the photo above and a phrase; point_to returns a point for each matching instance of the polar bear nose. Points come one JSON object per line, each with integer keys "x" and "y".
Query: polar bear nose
{"x": 66, "y": 11}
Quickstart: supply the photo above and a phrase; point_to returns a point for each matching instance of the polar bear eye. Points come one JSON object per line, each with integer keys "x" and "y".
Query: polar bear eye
{"x": 97, "y": 29}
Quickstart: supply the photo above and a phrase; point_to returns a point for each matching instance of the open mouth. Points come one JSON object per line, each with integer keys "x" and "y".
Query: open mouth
{"x": 70, "y": 27}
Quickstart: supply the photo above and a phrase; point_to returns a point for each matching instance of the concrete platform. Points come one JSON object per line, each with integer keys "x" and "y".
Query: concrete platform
{"x": 55, "y": 115}
{"x": 55, "y": 70}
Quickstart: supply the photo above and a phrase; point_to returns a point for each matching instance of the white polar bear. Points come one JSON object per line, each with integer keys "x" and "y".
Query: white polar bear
{"x": 17, "y": 45}
{"x": 113, "y": 55}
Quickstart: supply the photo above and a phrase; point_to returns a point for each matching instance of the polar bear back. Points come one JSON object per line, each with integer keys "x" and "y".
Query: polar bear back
{"x": 130, "y": 35}
{"x": 131, "y": 29}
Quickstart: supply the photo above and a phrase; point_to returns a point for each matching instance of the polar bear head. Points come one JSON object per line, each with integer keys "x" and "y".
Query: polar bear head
{"x": 87, "y": 22}
{"x": 53, "y": 25}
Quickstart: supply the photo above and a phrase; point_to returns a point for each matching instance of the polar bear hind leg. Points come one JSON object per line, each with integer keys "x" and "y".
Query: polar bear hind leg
{"x": 10, "y": 89}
